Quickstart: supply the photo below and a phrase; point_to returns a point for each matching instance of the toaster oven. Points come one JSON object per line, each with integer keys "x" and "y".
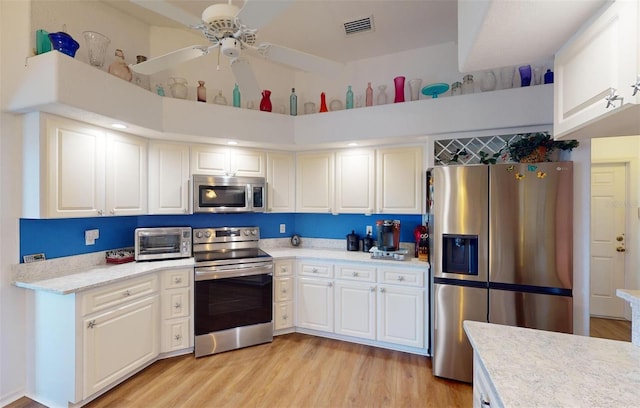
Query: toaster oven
{"x": 162, "y": 243}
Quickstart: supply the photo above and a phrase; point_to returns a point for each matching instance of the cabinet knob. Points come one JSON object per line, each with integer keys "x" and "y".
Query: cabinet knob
{"x": 483, "y": 401}
{"x": 100, "y": 212}
{"x": 283, "y": 269}
{"x": 400, "y": 278}
{"x": 372, "y": 289}
{"x": 178, "y": 337}
{"x": 381, "y": 290}
{"x": 354, "y": 273}
{"x": 285, "y": 317}
{"x": 330, "y": 284}
{"x": 127, "y": 293}
{"x": 636, "y": 86}
{"x": 314, "y": 270}
{"x": 178, "y": 306}
{"x": 91, "y": 324}
{"x": 284, "y": 290}
{"x": 177, "y": 279}
{"x": 112, "y": 212}
{"x": 612, "y": 98}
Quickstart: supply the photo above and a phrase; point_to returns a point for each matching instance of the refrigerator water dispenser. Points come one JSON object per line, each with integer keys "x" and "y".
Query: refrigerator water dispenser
{"x": 460, "y": 254}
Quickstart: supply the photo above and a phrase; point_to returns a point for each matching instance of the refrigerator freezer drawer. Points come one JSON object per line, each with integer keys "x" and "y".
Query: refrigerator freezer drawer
{"x": 532, "y": 310}
{"x": 452, "y": 352}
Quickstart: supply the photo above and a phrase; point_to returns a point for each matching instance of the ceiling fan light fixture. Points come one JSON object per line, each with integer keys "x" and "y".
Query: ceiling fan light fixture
{"x": 358, "y": 26}
{"x": 230, "y": 47}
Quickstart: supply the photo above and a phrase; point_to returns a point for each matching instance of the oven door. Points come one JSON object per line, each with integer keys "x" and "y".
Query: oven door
{"x": 234, "y": 297}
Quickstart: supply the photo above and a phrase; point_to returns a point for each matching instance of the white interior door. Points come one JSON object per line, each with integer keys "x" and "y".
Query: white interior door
{"x": 608, "y": 220}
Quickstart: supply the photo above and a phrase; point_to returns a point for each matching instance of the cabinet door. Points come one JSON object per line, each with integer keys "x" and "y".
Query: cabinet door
{"x": 168, "y": 178}
{"x": 248, "y": 163}
{"x": 118, "y": 341}
{"x": 401, "y": 315}
{"x": 281, "y": 182}
{"x": 355, "y": 186}
{"x": 210, "y": 160}
{"x": 602, "y": 57}
{"x": 126, "y": 175}
{"x": 355, "y": 309}
{"x": 283, "y": 289}
{"x": 315, "y": 304}
{"x": 314, "y": 182}
{"x": 399, "y": 180}
{"x": 75, "y": 170}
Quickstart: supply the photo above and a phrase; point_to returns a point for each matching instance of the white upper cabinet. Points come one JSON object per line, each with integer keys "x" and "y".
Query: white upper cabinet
{"x": 168, "y": 178}
{"x": 126, "y": 174}
{"x": 315, "y": 182}
{"x": 399, "y": 180}
{"x": 355, "y": 181}
{"x": 595, "y": 75}
{"x": 224, "y": 161}
{"x": 91, "y": 172}
{"x": 281, "y": 175}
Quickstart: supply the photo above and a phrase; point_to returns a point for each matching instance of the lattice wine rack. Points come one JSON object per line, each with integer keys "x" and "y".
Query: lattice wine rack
{"x": 472, "y": 151}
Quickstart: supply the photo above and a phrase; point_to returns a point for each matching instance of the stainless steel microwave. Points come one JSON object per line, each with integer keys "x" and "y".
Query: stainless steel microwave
{"x": 162, "y": 243}
{"x": 227, "y": 194}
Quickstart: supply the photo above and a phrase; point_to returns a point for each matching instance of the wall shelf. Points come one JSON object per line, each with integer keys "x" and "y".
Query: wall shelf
{"x": 61, "y": 85}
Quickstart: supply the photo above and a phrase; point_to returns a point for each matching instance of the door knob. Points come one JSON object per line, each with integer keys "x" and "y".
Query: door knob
{"x": 619, "y": 238}
{"x": 620, "y": 249}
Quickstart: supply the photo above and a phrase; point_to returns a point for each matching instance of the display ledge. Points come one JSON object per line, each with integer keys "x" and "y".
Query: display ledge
{"x": 58, "y": 84}
{"x": 530, "y": 367}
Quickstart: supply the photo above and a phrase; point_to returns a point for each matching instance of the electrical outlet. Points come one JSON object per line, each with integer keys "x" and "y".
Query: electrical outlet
{"x": 90, "y": 236}
{"x": 369, "y": 229}
{"x": 33, "y": 258}
{"x": 283, "y": 228}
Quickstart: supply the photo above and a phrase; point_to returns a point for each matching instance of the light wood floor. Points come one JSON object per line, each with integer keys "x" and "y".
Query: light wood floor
{"x": 300, "y": 371}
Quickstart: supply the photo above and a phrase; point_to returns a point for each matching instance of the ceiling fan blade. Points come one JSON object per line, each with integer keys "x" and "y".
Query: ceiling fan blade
{"x": 298, "y": 59}
{"x": 166, "y": 61}
{"x": 170, "y": 11}
{"x": 255, "y": 14}
{"x": 247, "y": 82}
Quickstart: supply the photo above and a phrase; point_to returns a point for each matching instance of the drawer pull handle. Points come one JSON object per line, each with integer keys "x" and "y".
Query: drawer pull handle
{"x": 127, "y": 293}
{"x": 91, "y": 324}
{"x": 177, "y": 279}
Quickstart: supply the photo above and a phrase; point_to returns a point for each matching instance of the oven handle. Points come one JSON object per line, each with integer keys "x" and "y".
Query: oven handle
{"x": 216, "y": 272}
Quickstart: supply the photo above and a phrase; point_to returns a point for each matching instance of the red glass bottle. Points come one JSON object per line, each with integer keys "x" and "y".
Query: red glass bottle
{"x": 265, "y": 103}
{"x": 323, "y": 103}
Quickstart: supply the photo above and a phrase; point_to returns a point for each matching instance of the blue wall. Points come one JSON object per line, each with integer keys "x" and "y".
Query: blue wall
{"x": 65, "y": 237}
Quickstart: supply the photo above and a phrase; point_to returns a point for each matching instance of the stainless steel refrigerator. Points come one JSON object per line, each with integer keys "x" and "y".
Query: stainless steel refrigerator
{"x": 501, "y": 251}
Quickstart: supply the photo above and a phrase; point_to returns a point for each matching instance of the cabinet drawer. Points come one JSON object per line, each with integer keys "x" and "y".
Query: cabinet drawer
{"x": 282, "y": 315}
{"x": 399, "y": 276}
{"x": 175, "y": 303}
{"x": 317, "y": 269}
{"x": 283, "y": 268}
{"x": 176, "y": 278}
{"x": 105, "y": 297}
{"x": 283, "y": 289}
{"x": 356, "y": 272}
{"x": 175, "y": 335}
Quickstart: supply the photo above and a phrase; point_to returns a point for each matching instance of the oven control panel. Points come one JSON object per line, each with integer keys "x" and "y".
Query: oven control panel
{"x": 225, "y": 234}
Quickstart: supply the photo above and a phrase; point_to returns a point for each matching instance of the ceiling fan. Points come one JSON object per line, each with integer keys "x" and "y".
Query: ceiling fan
{"x": 232, "y": 31}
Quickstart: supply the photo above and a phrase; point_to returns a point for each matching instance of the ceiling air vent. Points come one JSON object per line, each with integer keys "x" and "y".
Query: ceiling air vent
{"x": 361, "y": 25}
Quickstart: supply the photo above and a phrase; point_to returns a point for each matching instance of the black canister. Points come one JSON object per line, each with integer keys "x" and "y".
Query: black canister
{"x": 367, "y": 243}
{"x": 353, "y": 241}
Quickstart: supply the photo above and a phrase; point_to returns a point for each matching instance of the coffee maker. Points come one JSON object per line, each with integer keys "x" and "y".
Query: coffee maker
{"x": 388, "y": 235}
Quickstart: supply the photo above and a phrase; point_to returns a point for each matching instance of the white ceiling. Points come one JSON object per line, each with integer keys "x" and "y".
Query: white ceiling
{"x": 508, "y": 32}
{"x": 316, "y": 26}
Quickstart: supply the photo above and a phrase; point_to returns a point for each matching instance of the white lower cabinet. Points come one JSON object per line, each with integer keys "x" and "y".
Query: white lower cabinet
{"x": 379, "y": 304}
{"x": 89, "y": 341}
{"x": 483, "y": 392}
{"x": 283, "y": 294}
{"x": 118, "y": 341}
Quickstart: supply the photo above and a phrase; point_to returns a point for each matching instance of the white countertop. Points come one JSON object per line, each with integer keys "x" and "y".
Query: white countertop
{"x": 633, "y": 297}
{"x": 100, "y": 275}
{"x": 536, "y": 368}
{"x": 64, "y": 276}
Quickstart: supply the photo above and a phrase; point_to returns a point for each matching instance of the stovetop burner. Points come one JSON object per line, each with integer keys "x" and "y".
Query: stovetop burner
{"x": 227, "y": 245}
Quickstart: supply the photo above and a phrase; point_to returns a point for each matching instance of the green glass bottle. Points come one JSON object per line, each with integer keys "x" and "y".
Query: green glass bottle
{"x": 236, "y": 96}
{"x": 293, "y": 103}
{"x": 349, "y": 98}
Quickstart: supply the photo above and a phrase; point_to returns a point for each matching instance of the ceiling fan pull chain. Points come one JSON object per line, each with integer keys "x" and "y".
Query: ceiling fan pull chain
{"x": 218, "y": 66}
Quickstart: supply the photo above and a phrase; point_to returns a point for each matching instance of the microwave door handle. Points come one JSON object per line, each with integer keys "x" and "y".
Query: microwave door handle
{"x": 249, "y": 199}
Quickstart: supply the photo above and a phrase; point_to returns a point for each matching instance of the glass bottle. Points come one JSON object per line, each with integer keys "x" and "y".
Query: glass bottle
{"x": 201, "y": 92}
{"x": 323, "y": 103}
{"x": 293, "y": 103}
{"x": 120, "y": 68}
{"x": 236, "y": 96}
{"x": 456, "y": 88}
{"x": 349, "y": 98}
{"x": 548, "y": 77}
{"x": 265, "y": 103}
{"x": 220, "y": 99}
{"x": 381, "y": 99}
{"x": 467, "y": 85}
{"x": 399, "y": 86}
{"x": 369, "y": 95}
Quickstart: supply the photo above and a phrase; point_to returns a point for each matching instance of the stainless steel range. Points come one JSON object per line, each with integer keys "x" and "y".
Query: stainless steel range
{"x": 233, "y": 296}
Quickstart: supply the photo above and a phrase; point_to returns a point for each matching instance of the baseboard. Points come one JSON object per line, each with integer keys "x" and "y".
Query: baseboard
{"x": 12, "y": 397}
